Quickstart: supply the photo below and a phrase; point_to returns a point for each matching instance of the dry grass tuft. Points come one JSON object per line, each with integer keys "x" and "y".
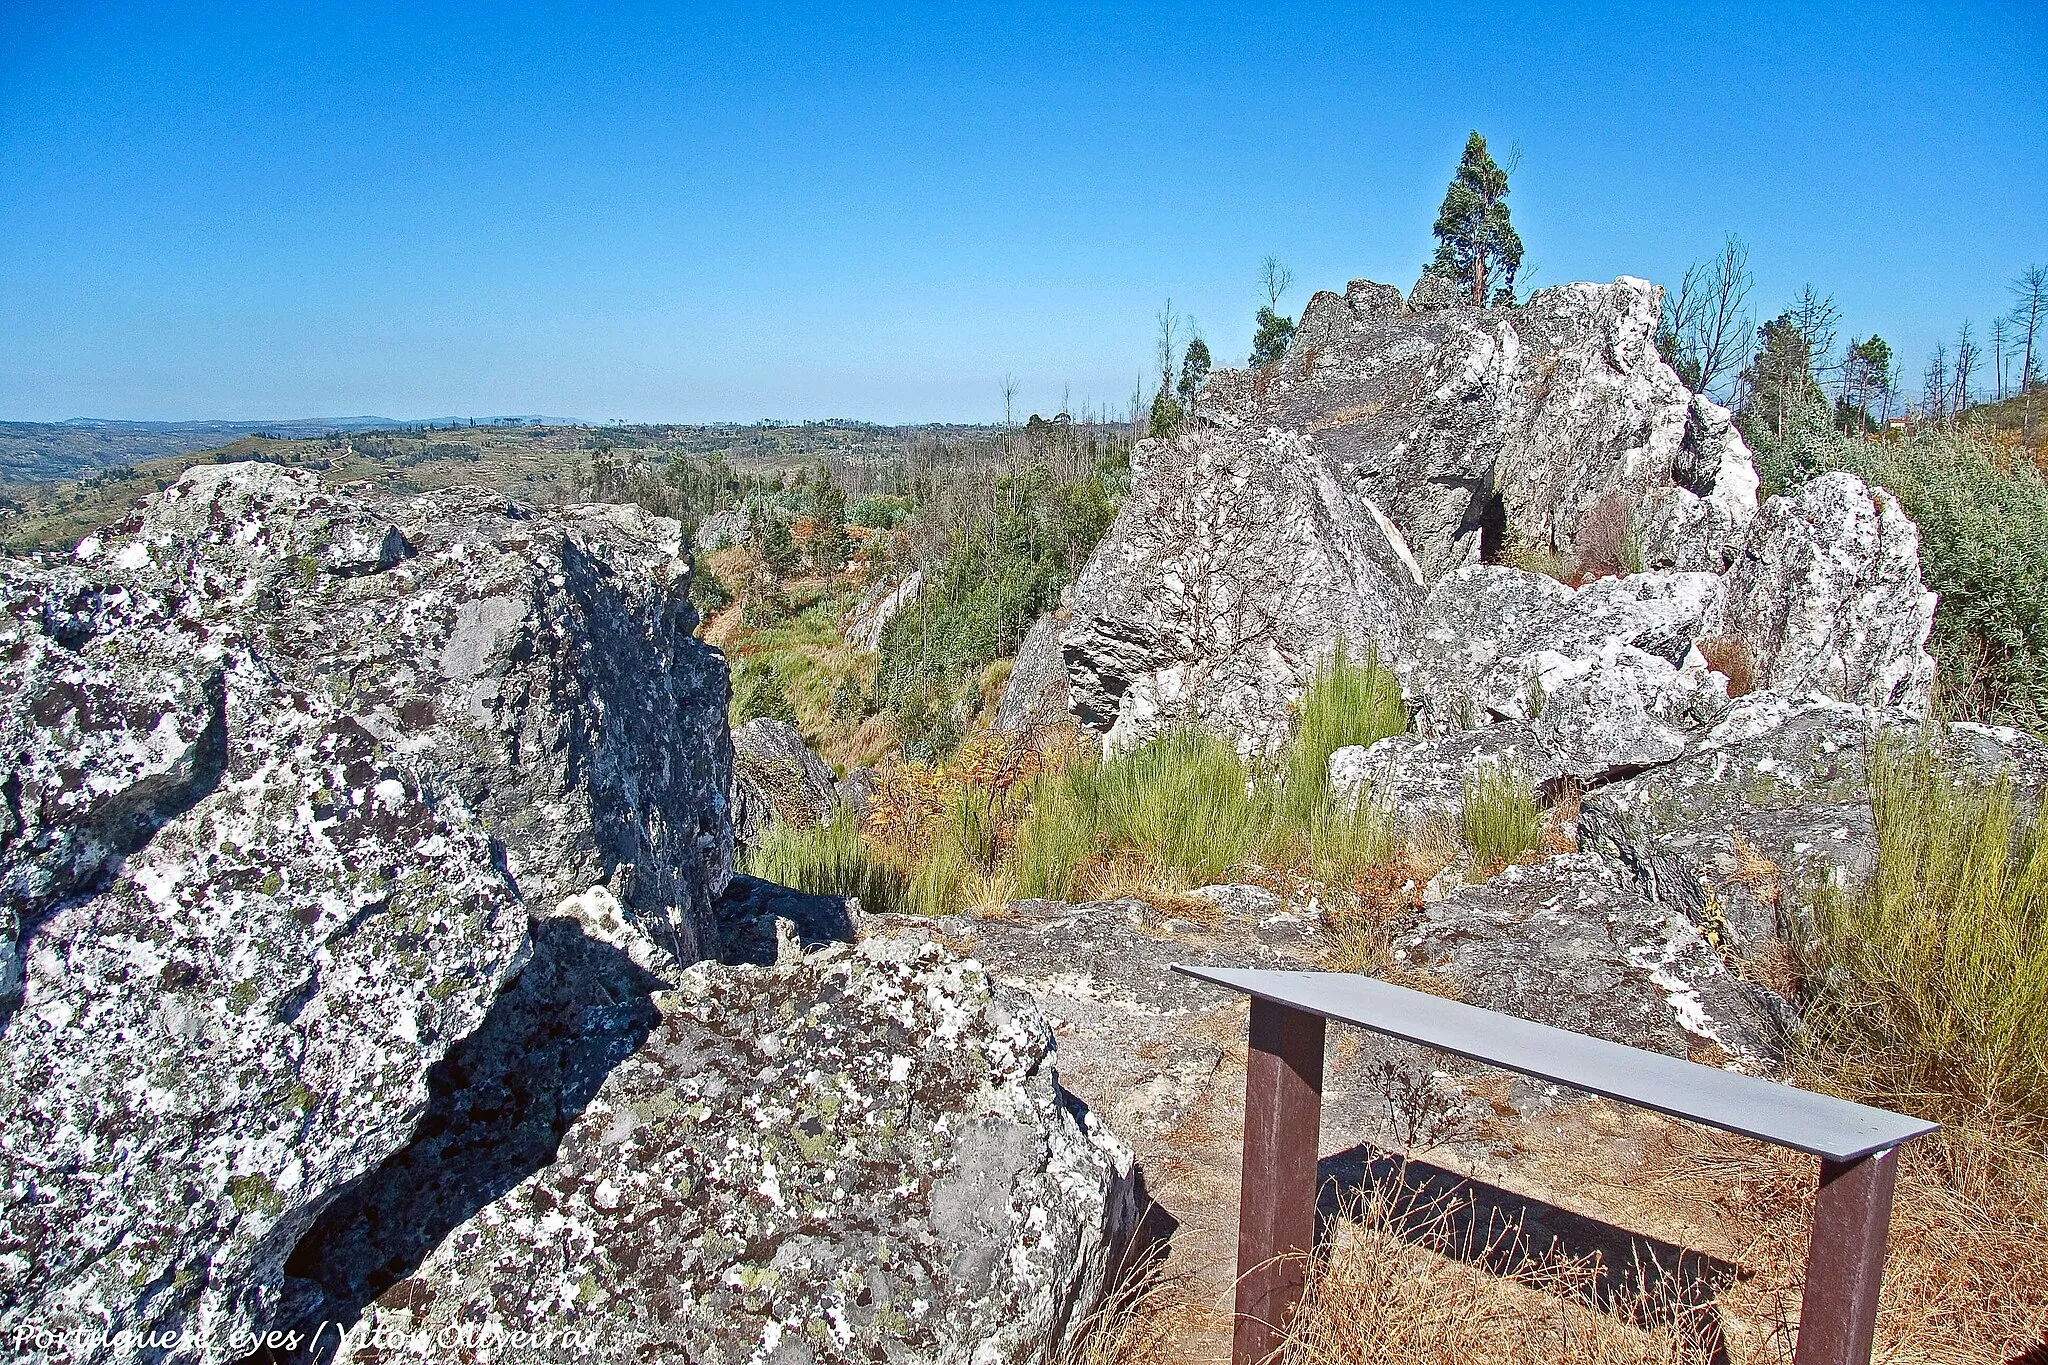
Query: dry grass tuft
{"x": 1730, "y": 656}
{"x": 1965, "y": 1281}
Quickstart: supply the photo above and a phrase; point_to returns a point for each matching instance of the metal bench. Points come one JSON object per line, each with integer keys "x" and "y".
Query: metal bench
{"x": 1857, "y": 1145}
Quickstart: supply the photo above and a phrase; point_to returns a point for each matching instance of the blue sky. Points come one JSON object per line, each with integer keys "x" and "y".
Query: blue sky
{"x": 691, "y": 213}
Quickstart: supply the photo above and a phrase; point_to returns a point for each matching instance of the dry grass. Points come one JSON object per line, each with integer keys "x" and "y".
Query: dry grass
{"x": 1966, "y": 1279}
{"x": 1408, "y": 1283}
{"x": 1144, "y": 1321}
{"x": 1729, "y": 656}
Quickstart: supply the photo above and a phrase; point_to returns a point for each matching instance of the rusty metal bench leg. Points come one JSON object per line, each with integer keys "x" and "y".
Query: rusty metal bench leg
{"x": 1276, "y": 1217}
{"x": 1845, "y": 1263}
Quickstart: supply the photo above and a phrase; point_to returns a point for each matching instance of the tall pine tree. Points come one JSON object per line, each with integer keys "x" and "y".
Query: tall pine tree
{"x": 1476, "y": 243}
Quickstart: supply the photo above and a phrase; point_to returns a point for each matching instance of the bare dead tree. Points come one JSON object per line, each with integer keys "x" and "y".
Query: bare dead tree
{"x": 1934, "y": 386}
{"x": 1276, "y": 279}
{"x": 1169, "y": 344}
{"x": 1009, "y": 398}
{"x": 2001, "y": 342}
{"x": 1967, "y": 361}
{"x": 1709, "y": 315}
{"x": 2029, "y": 312}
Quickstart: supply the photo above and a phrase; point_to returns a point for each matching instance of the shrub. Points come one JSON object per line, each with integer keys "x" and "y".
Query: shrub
{"x": 1983, "y": 547}
{"x": 1732, "y": 659}
{"x": 1607, "y": 540}
{"x": 1931, "y": 979}
{"x": 758, "y": 693}
{"x": 708, "y": 593}
{"x": 1502, "y": 820}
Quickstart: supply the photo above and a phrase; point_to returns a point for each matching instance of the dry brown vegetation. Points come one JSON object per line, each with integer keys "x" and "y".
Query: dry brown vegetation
{"x": 1729, "y": 656}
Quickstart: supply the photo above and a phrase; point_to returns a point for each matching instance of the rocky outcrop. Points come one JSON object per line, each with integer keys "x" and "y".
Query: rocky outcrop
{"x": 1309, "y": 506}
{"x": 877, "y": 607}
{"x": 776, "y": 778}
{"x": 858, "y": 1154}
{"x": 1571, "y": 942}
{"x": 1234, "y": 569}
{"x": 1036, "y": 694}
{"x": 1826, "y": 597}
{"x": 288, "y": 772}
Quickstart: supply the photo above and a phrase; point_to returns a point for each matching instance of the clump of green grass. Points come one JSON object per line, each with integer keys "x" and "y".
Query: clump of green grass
{"x": 1191, "y": 805}
{"x": 828, "y": 859}
{"x": 1931, "y": 979}
{"x": 1503, "y": 820}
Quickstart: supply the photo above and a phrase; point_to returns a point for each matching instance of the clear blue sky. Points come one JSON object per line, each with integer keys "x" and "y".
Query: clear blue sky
{"x": 691, "y": 213}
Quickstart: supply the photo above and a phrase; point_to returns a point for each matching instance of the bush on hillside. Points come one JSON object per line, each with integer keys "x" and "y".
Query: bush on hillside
{"x": 1983, "y": 547}
{"x": 998, "y": 575}
{"x": 759, "y": 693}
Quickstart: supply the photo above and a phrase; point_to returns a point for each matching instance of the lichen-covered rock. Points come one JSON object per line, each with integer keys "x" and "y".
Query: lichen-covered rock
{"x": 1698, "y": 522}
{"x": 287, "y": 771}
{"x": 860, "y": 1155}
{"x": 1739, "y": 832}
{"x": 1570, "y": 942}
{"x": 1623, "y": 710}
{"x": 1774, "y": 800}
{"x": 1234, "y": 569}
{"x": 776, "y": 778}
{"x": 1036, "y": 694}
{"x": 1826, "y": 597}
{"x": 1494, "y": 643}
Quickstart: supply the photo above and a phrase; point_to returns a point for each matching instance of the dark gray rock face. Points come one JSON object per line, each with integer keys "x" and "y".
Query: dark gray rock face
{"x": 859, "y": 1154}
{"x": 1036, "y": 694}
{"x": 776, "y": 778}
{"x": 1572, "y": 943}
{"x": 288, "y": 772}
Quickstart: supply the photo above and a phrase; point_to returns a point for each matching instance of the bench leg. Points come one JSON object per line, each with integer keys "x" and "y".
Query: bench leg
{"x": 1276, "y": 1212}
{"x": 1845, "y": 1263}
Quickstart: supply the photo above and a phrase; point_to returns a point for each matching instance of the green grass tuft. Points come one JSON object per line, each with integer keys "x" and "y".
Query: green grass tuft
{"x": 1503, "y": 819}
{"x": 1931, "y": 979}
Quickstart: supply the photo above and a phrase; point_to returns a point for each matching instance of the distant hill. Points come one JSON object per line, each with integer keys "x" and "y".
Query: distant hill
{"x": 35, "y": 451}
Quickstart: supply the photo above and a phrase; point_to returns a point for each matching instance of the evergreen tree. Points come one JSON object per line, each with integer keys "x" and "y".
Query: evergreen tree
{"x": 1269, "y": 341}
{"x": 1272, "y": 331}
{"x": 1475, "y": 240}
{"x": 1194, "y": 368}
{"x": 829, "y": 544}
{"x": 771, "y": 534}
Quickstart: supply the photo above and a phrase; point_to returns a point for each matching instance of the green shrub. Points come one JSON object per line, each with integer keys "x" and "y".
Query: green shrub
{"x": 1931, "y": 979}
{"x": 708, "y": 593}
{"x": 1983, "y": 548}
{"x": 1502, "y": 819}
{"x": 758, "y": 693}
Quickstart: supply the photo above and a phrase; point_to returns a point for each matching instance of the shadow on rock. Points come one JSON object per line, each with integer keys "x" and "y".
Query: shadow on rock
{"x": 750, "y": 909}
{"x": 1641, "y": 1278}
{"x": 498, "y": 1105}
